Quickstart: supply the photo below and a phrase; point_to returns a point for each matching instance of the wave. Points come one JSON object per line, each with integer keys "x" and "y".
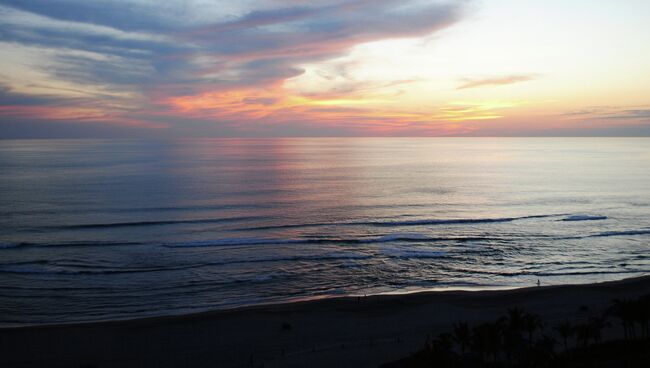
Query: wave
{"x": 400, "y": 223}
{"x": 420, "y": 222}
{"x": 387, "y": 238}
{"x": 9, "y": 245}
{"x": 246, "y": 241}
{"x": 154, "y": 223}
{"x": 67, "y": 244}
{"x": 256, "y": 278}
{"x": 413, "y": 253}
{"x": 418, "y": 238}
{"x": 438, "y": 222}
{"x": 233, "y": 242}
{"x": 583, "y": 273}
{"x": 53, "y": 268}
{"x": 454, "y": 221}
{"x": 40, "y": 267}
{"x": 97, "y": 210}
{"x": 225, "y": 242}
{"x": 607, "y": 234}
{"x": 584, "y": 218}
{"x": 540, "y": 273}
{"x": 622, "y": 233}
{"x": 399, "y": 237}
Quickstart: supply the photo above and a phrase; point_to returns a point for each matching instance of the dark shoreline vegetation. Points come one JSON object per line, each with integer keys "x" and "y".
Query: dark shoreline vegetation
{"x": 521, "y": 339}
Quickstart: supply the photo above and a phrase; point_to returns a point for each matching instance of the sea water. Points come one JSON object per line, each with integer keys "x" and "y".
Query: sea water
{"x": 114, "y": 229}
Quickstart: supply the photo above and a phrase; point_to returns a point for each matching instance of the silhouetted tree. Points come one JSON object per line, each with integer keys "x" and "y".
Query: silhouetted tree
{"x": 541, "y": 352}
{"x": 641, "y": 314}
{"x": 486, "y": 339}
{"x": 596, "y": 326}
{"x": 513, "y": 343}
{"x": 492, "y": 342}
{"x": 445, "y": 342}
{"x": 512, "y": 325}
{"x": 583, "y": 334}
{"x": 462, "y": 335}
{"x": 565, "y": 329}
{"x": 531, "y": 322}
{"x": 515, "y": 319}
{"x": 623, "y": 309}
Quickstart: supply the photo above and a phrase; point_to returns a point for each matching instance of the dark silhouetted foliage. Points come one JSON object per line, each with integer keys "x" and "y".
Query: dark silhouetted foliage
{"x": 518, "y": 340}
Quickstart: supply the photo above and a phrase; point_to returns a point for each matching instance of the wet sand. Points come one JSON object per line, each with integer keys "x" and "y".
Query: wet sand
{"x": 341, "y": 332}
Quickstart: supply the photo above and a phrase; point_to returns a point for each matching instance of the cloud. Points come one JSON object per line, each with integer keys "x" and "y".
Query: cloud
{"x": 496, "y": 81}
{"x": 8, "y": 98}
{"x": 610, "y": 113}
{"x": 133, "y": 15}
{"x": 640, "y": 114}
{"x": 145, "y": 61}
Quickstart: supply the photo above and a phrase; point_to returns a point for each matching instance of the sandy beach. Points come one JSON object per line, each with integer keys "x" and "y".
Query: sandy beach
{"x": 346, "y": 332}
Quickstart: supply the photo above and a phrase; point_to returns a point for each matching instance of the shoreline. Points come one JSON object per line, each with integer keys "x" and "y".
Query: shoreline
{"x": 364, "y": 331}
{"x": 305, "y": 299}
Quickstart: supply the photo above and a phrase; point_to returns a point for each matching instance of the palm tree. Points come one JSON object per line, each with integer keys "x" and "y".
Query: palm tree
{"x": 512, "y": 325}
{"x": 544, "y": 349}
{"x": 531, "y": 322}
{"x": 583, "y": 334}
{"x": 565, "y": 330}
{"x": 462, "y": 336}
{"x": 596, "y": 326}
{"x": 486, "y": 339}
{"x": 640, "y": 313}
{"x": 623, "y": 309}
{"x": 515, "y": 319}
{"x": 644, "y": 314}
{"x": 445, "y": 342}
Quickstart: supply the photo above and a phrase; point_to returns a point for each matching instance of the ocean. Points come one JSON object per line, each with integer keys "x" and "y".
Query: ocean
{"x": 118, "y": 229}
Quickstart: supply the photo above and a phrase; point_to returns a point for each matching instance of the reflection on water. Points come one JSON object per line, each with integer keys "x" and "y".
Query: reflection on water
{"x": 94, "y": 229}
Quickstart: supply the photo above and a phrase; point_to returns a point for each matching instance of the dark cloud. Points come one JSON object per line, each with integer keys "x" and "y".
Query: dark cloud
{"x": 128, "y": 15}
{"x": 325, "y": 30}
{"x": 284, "y": 36}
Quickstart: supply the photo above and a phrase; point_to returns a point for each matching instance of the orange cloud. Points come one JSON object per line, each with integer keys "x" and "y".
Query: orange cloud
{"x": 364, "y": 114}
{"x": 76, "y": 114}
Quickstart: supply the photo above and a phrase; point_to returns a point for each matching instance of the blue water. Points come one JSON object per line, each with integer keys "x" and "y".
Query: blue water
{"x": 101, "y": 229}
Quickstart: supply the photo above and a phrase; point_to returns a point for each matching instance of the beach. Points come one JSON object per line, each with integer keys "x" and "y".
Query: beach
{"x": 346, "y": 331}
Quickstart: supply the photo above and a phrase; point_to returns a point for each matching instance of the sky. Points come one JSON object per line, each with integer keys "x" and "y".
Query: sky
{"x": 262, "y": 68}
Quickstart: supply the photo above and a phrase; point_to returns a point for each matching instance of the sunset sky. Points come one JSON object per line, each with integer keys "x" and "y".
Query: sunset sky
{"x": 209, "y": 68}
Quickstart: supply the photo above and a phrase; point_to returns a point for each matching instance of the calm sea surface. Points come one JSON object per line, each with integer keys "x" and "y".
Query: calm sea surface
{"x": 100, "y": 229}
